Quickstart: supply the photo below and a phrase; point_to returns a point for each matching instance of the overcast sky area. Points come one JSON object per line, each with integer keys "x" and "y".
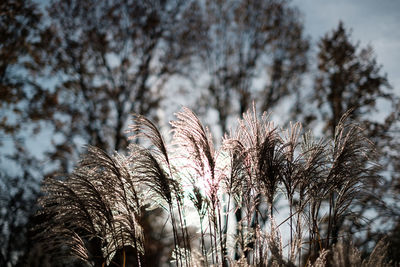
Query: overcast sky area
{"x": 373, "y": 22}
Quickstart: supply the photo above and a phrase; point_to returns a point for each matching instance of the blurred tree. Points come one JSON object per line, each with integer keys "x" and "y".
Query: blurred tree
{"x": 348, "y": 78}
{"x": 19, "y": 22}
{"x": 17, "y": 204}
{"x": 106, "y": 60}
{"x": 252, "y": 50}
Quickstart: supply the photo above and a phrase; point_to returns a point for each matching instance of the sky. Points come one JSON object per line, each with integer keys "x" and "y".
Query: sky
{"x": 373, "y": 22}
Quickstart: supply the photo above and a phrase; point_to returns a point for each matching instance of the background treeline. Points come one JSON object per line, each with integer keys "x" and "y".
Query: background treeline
{"x": 72, "y": 72}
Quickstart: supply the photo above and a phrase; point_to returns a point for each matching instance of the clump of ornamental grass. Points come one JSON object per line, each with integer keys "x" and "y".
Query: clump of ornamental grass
{"x": 234, "y": 195}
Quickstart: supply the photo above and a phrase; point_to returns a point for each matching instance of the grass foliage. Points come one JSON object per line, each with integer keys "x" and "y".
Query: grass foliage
{"x": 274, "y": 179}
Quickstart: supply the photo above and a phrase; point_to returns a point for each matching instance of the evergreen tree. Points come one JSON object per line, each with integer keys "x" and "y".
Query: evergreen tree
{"x": 348, "y": 78}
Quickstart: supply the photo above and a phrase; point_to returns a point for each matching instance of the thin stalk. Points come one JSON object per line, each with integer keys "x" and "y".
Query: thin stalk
{"x": 291, "y": 224}
{"x": 299, "y": 234}
{"x": 215, "y": 224}
{"x": 124, "y": 257}
{"x": 182, "y": 222}
{"x": 329, "y": 219}
{"x": 185, "y": 235}
{"x": 221, "y": 241}
{"x": 211, "y": 236}
{"x": 271, "y": 212}
{"x": 125, "y": 198}
{"x": 175, "y": 233}
{"x": 256, "y": 237}
{"x": 136, "y": 247}
{"x": 310, "y": 228}
{"x": 261, "y": 258}
{"x": 316, "y": 220}
{"x": 239, "y": 228}
{"x": 315, "y": 230}
{"x": 241, "y": 236}
{"x": 226, "y": 224}
{"x": 203, "y": 247}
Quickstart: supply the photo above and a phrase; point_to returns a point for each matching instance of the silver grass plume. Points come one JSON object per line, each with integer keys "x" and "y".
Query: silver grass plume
{"x": 65, "y": 245}
{"x": 152, "y": 167}
{"x": 260, "y": 148}
{"x": 264, "y": 146}
{"x": 120, "y": 188}
{"x": 195, "y": 144}
{"x": 352, "y": 167}
{"x": 147, "y": 170}
{"x": 291, "y": 178}
{"x": 195, "y": 140}
{"x": 292, "y": 174}
{"x": 314, "y": 161}
{"x": 98, "y": 200}
{"x": 352, "y": 163}
{"x": 345, "y": 254}
{"x": 235, "y": 181}
{"x": 142, "y": 127}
